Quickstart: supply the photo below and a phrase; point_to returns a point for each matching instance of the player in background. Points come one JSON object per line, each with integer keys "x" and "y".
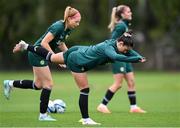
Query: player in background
{"x": 80, "y": 59}
{"x": 120, "y": 20}
{"x": 53, "y": 38}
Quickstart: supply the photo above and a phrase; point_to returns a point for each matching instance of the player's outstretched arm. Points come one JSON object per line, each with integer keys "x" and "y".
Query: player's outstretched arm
{"x": 110, "y": 52}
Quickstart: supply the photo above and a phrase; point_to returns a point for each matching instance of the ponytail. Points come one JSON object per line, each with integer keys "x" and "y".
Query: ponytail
{"x": 66, "y": 13}
{"x": 70, "y": 12}
{"x": 116, "y": 16}
{"x": 113, "y": 19}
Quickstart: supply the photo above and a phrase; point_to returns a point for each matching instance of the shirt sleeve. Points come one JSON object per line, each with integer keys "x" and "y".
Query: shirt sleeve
{"x": 112, "y": 54}
{"x": 133, "y": 53}
{"x": 55, "y": 29}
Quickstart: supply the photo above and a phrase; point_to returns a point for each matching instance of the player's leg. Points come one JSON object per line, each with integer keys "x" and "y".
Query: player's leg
{"x": 131, "y": 88}
{"x": 43, "y": 78}
{"x": 130, "y": 79}
{"x": 55, "y": 58}
{"x": 118, "y": 69}
{"x": 118, "y": 78}
{"x": 82, "y": 83}
{"x": 23, "y": 84}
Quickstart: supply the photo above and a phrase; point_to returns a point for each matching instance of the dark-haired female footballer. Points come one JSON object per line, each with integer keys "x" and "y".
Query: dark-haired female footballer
{"x": 120, "y": 19}
{"x": 54, "y": 38}
{"x": 80, "y": 59}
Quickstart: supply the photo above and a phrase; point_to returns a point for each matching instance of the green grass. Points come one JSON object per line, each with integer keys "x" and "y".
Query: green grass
{"x": 157, "y": 92}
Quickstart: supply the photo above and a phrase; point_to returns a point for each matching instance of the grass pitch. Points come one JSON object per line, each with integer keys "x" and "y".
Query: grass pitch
{"x": 157, "y": 92}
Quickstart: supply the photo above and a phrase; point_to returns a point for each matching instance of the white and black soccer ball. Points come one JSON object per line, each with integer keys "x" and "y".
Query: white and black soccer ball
{"x": 59, "y": 105}
{"x": 51, "y": 108}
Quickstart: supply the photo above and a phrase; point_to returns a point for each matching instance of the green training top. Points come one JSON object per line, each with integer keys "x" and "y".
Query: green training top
{"x": 119, "y": 29}
{"x": 91, "y": 56}
{"x": 60, "y": 35}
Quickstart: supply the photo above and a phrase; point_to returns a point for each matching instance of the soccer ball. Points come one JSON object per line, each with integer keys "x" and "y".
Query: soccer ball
{"x": 56, "y": 106}
{"x": 59, "y": 105}
{"x": 51, "y": 108}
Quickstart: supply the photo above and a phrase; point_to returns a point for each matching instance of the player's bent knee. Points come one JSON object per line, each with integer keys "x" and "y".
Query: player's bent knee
{"x": 117, "y": 85}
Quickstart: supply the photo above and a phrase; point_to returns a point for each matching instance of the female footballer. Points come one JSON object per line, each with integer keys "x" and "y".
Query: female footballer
{"x": 80, "y": 59}
{"x": 53, "y": 38}
{"x": 120, "y": 18}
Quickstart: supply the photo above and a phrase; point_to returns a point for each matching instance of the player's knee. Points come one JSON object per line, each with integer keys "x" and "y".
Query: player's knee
{"x": 117, "y": 85}
{"x": 38, "y": 85}
{"x": 131, "y": 84}
{"x": 48, "y": 82}
{"x": 45, "y": 84}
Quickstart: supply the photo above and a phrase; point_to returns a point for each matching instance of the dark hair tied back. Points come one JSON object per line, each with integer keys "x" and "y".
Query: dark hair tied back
{"x": 127, "y": 39}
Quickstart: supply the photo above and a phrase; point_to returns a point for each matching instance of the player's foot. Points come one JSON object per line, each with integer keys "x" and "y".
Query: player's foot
{"x": 21, "y": 46}
{"x": 103, "y": 109}
{"x": 137, "y": 110}
{"x": 88, "y": 121}
{"x": 7, "y": 88}
{"x": 46, "y": 118}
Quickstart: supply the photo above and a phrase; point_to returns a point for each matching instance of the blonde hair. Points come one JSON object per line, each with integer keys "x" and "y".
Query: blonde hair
{"x": 116, "y": 16}
{"x": 69, "y": 12}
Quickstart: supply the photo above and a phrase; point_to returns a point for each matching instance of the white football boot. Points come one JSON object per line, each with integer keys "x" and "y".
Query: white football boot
{"x": 46, "y": 117}
{"x": 88, "y": 121}
{"x": 7, "y": 88}
{"x": 21, "y": 46}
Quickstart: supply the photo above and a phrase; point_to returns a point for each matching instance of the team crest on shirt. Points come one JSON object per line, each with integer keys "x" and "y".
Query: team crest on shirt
{"x": 63, "y": 37}
{"x": 122, "y": 69}
{"x": 42, "y": 62}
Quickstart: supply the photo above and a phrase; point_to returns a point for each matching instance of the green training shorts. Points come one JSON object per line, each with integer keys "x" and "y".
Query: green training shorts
{"x": 121, "y": 67}
{"x": 36, "y": 60}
